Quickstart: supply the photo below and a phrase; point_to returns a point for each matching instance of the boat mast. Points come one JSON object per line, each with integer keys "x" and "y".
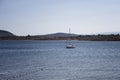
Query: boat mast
{"x": 69, "y": 30}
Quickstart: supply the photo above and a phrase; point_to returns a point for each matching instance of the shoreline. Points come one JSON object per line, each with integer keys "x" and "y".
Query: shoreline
{"x": 99, "y": 37}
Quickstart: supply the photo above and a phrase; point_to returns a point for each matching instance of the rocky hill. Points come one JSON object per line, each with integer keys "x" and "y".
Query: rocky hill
{"x": 4, "y": 33}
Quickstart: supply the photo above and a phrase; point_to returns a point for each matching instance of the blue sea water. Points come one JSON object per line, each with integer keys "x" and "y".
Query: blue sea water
{"x": 50, "y": 60}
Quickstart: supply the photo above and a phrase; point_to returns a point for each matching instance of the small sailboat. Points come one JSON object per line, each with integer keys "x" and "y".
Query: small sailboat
{"x": 70, "y": 45}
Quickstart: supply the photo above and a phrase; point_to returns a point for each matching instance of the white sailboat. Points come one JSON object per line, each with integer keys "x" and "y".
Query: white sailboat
{"x": 70, "y": 45}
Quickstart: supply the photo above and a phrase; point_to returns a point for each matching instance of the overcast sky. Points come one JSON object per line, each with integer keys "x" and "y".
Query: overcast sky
{"x": 36, "y": 17}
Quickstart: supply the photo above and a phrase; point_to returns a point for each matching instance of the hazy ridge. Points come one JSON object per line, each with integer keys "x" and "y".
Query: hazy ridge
{"x": 5, "y": 35}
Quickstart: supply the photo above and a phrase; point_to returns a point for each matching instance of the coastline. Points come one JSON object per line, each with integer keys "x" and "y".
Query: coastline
{"x": 111, "y": 37}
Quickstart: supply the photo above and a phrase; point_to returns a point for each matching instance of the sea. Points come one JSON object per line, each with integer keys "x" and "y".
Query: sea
{"x": 51, "y": 60}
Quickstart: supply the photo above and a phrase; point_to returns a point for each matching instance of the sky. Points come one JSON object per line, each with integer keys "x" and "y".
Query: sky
{"x": 37, "y": 17}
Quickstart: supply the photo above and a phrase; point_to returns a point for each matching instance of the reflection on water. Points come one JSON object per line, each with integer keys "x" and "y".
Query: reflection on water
{"x": 50, "y": 60}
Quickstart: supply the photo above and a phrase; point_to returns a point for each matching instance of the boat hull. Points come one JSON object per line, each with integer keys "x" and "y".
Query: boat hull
{"x": 70, "y": 46}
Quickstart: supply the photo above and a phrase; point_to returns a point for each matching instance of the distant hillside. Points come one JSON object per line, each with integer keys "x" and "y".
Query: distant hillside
{"x": 61, "y": 35}
{"x": 4, "y": 33}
